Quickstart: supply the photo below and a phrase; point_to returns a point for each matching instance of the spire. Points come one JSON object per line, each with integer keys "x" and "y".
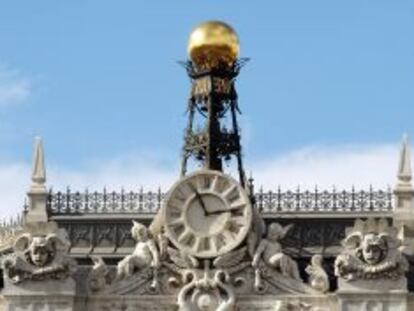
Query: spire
{"x": 37, "y": 209}
{"x": 38, "y": 170}
{"x": 404, "y": 196}
{"x": 404, "y": 167}
{"x": 404, "y": 192}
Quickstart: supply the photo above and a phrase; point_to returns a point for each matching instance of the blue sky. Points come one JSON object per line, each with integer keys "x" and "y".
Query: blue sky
{"x": 98, "y": 80}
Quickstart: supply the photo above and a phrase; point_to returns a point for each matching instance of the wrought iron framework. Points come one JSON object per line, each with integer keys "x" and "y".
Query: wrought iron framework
{"x": 213, "y": 98}
{"x": 267, "y": 202}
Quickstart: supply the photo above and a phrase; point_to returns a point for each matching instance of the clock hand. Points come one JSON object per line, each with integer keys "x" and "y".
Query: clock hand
{"x": 199, "y": 199}
{"x": 219, "y": 211}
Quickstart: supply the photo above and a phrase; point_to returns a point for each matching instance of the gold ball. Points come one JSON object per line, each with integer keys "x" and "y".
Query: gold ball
{"x": 212, "y": 43}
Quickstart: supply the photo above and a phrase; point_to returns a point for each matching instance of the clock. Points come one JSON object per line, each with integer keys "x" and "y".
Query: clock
{"x": 207, "y": 214}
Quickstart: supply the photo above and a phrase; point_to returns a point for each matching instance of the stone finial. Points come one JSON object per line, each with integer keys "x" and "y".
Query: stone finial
{"x": 37, "y": 193}
{"x": 404, "y": 198}
{"x": 404, "y": 191}
{"x": 404, "y": 166}
{"x": 38, "y": 170}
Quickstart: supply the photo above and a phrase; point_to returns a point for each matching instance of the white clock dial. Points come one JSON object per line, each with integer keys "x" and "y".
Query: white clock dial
{"x": 207, "y": 214}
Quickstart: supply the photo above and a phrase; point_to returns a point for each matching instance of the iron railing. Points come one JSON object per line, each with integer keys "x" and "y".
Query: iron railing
{"x": 267, "y": 202}
{"x": 325, "y": 201}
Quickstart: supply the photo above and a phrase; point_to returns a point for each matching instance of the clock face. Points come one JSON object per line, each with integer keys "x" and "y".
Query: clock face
{"x": 207, "y": 214}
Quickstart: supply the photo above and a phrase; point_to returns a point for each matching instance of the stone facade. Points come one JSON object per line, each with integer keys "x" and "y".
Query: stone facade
{"x": 41, "y": 272}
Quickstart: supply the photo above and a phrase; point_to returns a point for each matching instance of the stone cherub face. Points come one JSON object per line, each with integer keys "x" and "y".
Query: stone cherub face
{"x": 317, "y": 260}
{"x": 373, "y": 249}
{"x": 139, "y": 232}
{"x": 276, "y": 232}
{"x": 40, "y": 251}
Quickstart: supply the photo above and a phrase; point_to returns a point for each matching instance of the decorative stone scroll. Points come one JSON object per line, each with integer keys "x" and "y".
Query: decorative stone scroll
{"x": 207, "y": 293}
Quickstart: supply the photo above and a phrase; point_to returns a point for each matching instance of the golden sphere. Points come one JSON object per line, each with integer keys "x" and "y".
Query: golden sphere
{"x": 212, "y": 43}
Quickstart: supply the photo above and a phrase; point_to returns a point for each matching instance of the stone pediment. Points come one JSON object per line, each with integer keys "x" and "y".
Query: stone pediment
{"x": 169, "y": 283}
{"x": 137, "y": 292}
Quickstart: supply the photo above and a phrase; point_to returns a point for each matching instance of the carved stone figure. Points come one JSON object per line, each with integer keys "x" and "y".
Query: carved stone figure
{"x": 270, "y": 250}
{"x": 145, "y": 254}
{"x": 318, "y": 278}
{"x": 98, "y": 275}
{"x": 371, "y": 251}
{"x": 39, "y": 253}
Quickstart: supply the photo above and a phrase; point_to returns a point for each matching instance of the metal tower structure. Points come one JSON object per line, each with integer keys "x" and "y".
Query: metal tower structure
{"x": 213, "y": 103}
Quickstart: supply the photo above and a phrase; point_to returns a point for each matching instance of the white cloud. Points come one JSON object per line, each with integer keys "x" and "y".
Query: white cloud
{"x": 132, "y": 171}
{"x": 342, "y": 166}
{"x": 13, "y": 87}
{"x": 14, "y": 178}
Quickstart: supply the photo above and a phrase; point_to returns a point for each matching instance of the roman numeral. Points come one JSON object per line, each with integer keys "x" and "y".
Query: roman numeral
{"x": 234, "y": 225}
{"x": 220, "y": 241}
{"x": 202, "y": 244}
{"x": 232, "y": 194}
{"x": 220, "y": 184}
{"x": 176, "y": 222}
{"x": 204, "y": 182}
{"x": 174, "y": 211}
{"x": 178, "y": 230}
{"x": 186, "y": 237}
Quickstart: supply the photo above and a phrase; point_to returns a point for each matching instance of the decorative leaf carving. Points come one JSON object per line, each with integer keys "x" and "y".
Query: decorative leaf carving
{"x": 230, "y": 259}
{"x": 182, "y": 259}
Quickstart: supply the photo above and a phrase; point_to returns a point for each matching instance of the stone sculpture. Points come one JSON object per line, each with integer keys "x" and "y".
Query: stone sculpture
{"x": 40, "y": 252}
{"x": 270, "y": 251}
{"x": 318, "y": 278}
{"x": 145, "y": 254}
{"x": 98, "y": 275}
{"x": 371, "y": 251}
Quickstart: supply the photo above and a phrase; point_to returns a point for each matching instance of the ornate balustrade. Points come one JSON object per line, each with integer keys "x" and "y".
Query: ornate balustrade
{"x": 269, "y": 202}
{"x": 325, "y": 201}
